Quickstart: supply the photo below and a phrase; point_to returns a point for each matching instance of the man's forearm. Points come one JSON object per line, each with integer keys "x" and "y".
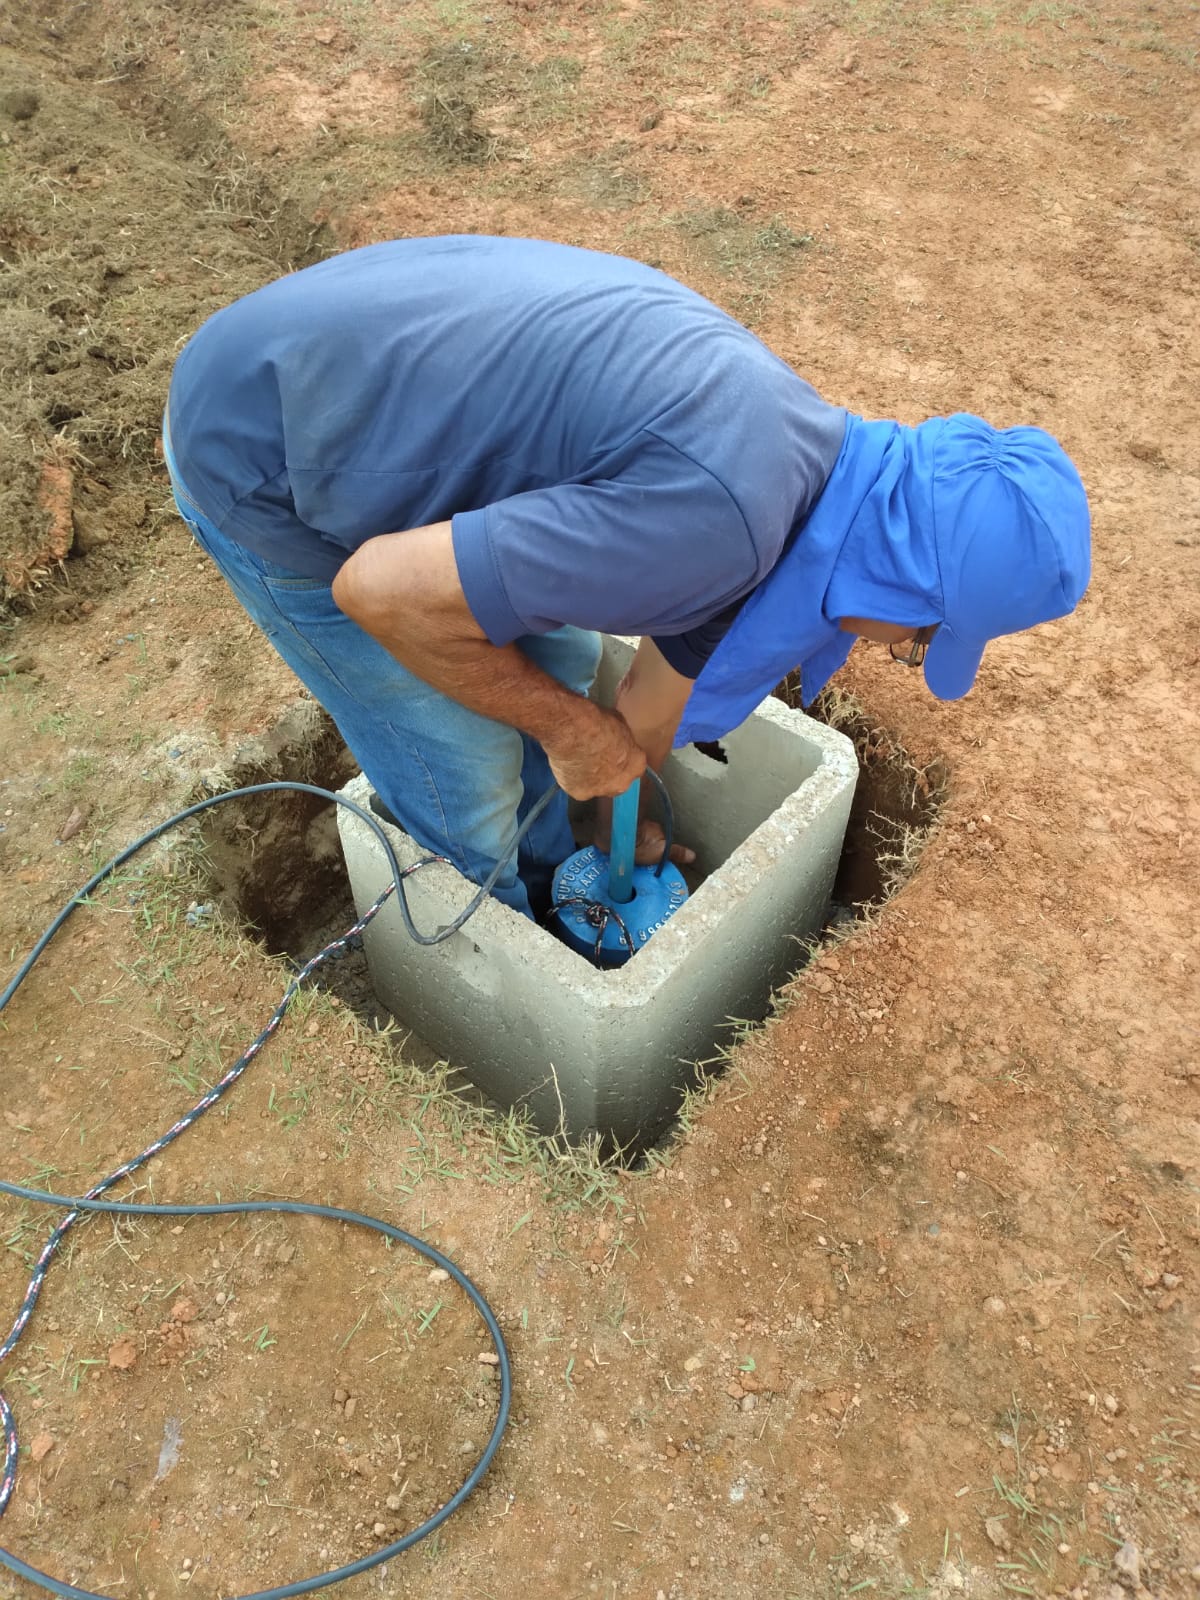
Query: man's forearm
{"x": 498, "y": 682}
{"x": 402, "y": 590}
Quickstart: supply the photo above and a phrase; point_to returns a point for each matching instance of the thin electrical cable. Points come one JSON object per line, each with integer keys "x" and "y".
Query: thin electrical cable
{"x": 302, "y": 788}
{"x": 668, "y": 819}
{"x": 76, "y": 1207}
{"x": 598, "y": 916}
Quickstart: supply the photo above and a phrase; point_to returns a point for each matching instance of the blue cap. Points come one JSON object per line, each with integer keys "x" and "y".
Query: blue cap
{"x": 1012, "y": 535}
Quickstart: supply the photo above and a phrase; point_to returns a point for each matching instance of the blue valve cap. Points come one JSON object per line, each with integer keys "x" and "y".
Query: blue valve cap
{"x": 583, "y": 877}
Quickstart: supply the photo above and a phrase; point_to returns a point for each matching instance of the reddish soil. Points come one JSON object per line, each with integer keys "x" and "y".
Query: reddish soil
{"x": 909, "y": 1306}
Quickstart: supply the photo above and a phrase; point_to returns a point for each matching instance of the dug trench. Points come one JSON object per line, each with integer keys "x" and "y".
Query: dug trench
{"x": 273, "y": 864}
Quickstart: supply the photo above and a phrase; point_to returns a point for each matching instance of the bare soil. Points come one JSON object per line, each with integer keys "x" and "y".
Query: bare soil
{"x": 909, "y": 1303}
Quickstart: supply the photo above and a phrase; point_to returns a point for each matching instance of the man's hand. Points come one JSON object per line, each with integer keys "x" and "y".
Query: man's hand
{"x": 649, "y": 848}
{"x": 403, "y": 589}
{"x": 601, "y": 759}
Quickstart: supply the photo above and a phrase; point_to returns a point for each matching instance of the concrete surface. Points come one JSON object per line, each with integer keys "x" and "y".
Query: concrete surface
{"x": 610, "y": 1052}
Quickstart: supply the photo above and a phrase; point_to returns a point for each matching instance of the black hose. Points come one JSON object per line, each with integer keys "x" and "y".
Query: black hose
{"x": 668, "y": 819}
{"x": 74, "y": 1206}
{"x": 300, "y": 1209}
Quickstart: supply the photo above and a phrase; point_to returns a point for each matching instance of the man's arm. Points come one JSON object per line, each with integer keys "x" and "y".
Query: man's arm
{"x": 651, "y": 698}
{"x": 403, "y": 589}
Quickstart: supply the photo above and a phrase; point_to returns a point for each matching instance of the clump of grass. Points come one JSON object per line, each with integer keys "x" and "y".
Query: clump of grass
{"x": 755, "y": 254}
{"x": 453, "y": 77}
{"x": 607, "y": 185}
{"x": 452, "y": 131}
{"x": 736, "y": 244}
{"x": 456, "y": 1131}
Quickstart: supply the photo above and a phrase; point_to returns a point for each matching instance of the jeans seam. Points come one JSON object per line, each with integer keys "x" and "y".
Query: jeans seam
{"x": 303, "y": 641}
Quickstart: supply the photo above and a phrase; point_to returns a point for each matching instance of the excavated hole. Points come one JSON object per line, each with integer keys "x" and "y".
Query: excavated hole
{"x": 276, "y": 864}
{"x": 894, "y": 812}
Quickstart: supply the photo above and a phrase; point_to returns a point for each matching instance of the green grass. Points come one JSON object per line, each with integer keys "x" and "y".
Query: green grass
{"x": 454, "y": 1137}
{"x": 79, "y": 772}
{"x": 756, "y": 255}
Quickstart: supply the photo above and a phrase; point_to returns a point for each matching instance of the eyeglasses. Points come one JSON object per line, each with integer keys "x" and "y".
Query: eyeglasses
{"x": 913, "y": 654}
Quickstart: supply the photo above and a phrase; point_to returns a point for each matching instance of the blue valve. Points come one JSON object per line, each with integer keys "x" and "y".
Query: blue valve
{"x": 608, "y": 907}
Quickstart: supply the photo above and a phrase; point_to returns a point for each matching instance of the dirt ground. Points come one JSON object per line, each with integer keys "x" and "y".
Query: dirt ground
{"x": 909, "y": 1304}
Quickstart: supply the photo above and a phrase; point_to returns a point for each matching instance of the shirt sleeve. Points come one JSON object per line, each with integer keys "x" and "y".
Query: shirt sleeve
{"x": 658, "y": 548}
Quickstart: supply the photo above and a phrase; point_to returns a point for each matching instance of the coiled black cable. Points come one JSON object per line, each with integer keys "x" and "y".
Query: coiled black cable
{"x": 76, "y": 1206}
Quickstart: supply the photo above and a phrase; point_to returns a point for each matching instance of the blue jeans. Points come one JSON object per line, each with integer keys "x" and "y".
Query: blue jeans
{"x": 458, "y": 782}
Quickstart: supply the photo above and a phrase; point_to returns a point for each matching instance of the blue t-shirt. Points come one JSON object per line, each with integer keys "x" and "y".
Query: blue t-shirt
{"x": 613, "y": 450}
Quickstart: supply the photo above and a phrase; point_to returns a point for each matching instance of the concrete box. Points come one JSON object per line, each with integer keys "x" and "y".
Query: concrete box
{"x": 609, "y": 1053}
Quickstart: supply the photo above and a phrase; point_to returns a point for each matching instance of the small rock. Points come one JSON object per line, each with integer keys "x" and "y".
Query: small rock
{"x": 90, "y": 533}
{"x": 350, "y": 1407}
{"x": 997, "y": 1532}
{"x": 73, "y": 824}
{"x": 467, "y": 1447}
{"x": 1170, "y": 1280}
{"x": 393, "y": 1502}
{"x": 1127, "y": 1565}
{"x": 1111, "y": 1404}
{"x": 994, "y": 1306}
{"x": 340, "y": 1396}
{"x": 693, "y": 1363}
{"x": 488, "y": 1358}
{"x": 748, "y": 1402}
{"x": 438, "y": 1275}
{"x": 380, "y": 1530}
{"x": 849, "y": 62}
{"x": 41, "y": 1445}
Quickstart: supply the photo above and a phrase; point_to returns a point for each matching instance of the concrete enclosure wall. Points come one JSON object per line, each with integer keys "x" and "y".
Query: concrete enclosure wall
{"x": 609, "y": 1053}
